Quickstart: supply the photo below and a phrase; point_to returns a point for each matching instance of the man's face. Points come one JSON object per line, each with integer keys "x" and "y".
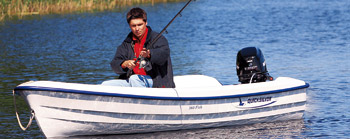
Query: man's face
{"x": 138, "y": 26}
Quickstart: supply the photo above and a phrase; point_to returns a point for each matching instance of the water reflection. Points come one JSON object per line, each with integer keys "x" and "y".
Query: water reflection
{"x": 289, "y": 129}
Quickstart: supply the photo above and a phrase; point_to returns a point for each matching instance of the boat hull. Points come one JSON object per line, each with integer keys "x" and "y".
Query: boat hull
{"x": 62, "y": 110}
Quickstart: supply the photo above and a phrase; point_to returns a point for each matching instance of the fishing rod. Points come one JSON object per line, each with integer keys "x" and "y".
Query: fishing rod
{"x": 164, "y": 29}
{"x": 140, "y": 58}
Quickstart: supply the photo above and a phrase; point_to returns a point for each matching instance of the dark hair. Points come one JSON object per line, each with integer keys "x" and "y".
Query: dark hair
{"x": 135, "y": 13}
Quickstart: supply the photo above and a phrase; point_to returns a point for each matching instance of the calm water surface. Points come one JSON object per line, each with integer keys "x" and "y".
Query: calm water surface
{"x": 303, "y": 39}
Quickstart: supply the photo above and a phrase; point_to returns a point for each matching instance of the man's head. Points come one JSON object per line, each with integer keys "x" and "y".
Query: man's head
{"x": 137, "y": 19}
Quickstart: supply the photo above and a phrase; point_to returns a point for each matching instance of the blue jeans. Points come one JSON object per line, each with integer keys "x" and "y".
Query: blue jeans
{"x": 133, "y": 81}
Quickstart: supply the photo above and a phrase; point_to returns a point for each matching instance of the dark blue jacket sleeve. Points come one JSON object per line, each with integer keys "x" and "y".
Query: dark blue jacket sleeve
{"x": 160, "y": 51}
{"x": 120, "y": 56}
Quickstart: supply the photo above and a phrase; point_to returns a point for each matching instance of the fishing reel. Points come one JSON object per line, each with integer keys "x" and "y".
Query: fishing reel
{"x": 142, "y": 63}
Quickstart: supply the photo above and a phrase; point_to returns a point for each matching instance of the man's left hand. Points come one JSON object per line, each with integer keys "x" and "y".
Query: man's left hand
{"x": 145, "y": 53}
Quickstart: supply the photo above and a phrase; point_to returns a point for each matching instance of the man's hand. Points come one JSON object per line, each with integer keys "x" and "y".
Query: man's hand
{"x": 145, "y": 53}
{"x": 129, "y": 64}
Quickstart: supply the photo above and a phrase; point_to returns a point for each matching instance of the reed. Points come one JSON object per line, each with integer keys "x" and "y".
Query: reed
{"x": 21, "y": 8}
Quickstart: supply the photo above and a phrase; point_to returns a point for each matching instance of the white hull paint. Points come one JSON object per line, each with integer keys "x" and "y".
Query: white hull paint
{"x": 70, "y": 109}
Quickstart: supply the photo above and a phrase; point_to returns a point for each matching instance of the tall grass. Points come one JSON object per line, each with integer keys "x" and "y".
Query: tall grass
{"x": 21, "y": 8}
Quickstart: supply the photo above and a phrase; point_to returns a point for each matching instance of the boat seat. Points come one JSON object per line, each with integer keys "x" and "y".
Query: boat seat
{"x": 185, "y": 81}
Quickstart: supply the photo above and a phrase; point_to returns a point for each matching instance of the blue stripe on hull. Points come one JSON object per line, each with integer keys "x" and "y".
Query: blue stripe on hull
{"x": 94, "y": 98}
{"x": 162, "y": 117}
{"x": 37, "y": 88}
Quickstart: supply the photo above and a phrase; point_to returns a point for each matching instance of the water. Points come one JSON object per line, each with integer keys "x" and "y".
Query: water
{"x": 303, "y": 39}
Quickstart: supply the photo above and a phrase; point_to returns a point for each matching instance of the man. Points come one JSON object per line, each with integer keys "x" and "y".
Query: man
{"x": 157, "y": 71}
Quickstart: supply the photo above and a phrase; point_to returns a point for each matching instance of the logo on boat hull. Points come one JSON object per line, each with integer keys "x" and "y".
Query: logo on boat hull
{"x": 256, "y": 102}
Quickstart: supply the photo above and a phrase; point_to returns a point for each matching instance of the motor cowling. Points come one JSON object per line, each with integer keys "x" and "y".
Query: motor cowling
{"x": 251, "y": 66}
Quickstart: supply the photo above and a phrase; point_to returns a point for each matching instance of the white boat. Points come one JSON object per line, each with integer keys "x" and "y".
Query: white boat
{"x": 198, "y": 101}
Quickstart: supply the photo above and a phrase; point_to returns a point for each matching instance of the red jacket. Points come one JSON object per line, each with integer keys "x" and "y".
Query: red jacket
{"x": 139, "y": 45}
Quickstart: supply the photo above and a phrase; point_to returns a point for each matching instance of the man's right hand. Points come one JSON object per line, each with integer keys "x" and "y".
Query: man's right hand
{"x": 130, "y": 64}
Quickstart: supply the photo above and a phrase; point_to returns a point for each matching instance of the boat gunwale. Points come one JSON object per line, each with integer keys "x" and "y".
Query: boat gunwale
{"x": 38, "y": 88}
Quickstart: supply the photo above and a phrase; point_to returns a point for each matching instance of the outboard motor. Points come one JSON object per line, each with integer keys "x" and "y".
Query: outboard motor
{"x": 251, "y": 66}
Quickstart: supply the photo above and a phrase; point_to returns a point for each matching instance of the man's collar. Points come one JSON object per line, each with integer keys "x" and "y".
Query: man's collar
{"x": 129, "y": 38}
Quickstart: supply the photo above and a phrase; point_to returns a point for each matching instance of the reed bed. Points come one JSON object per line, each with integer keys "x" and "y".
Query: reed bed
{"x": 21, "y": 8}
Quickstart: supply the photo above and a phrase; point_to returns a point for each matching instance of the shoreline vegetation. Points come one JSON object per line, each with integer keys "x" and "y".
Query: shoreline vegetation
{"x": 21, "y": 8}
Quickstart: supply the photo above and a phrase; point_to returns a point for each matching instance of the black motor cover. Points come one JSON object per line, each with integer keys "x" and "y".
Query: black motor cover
{"x": 251, "y": 66}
